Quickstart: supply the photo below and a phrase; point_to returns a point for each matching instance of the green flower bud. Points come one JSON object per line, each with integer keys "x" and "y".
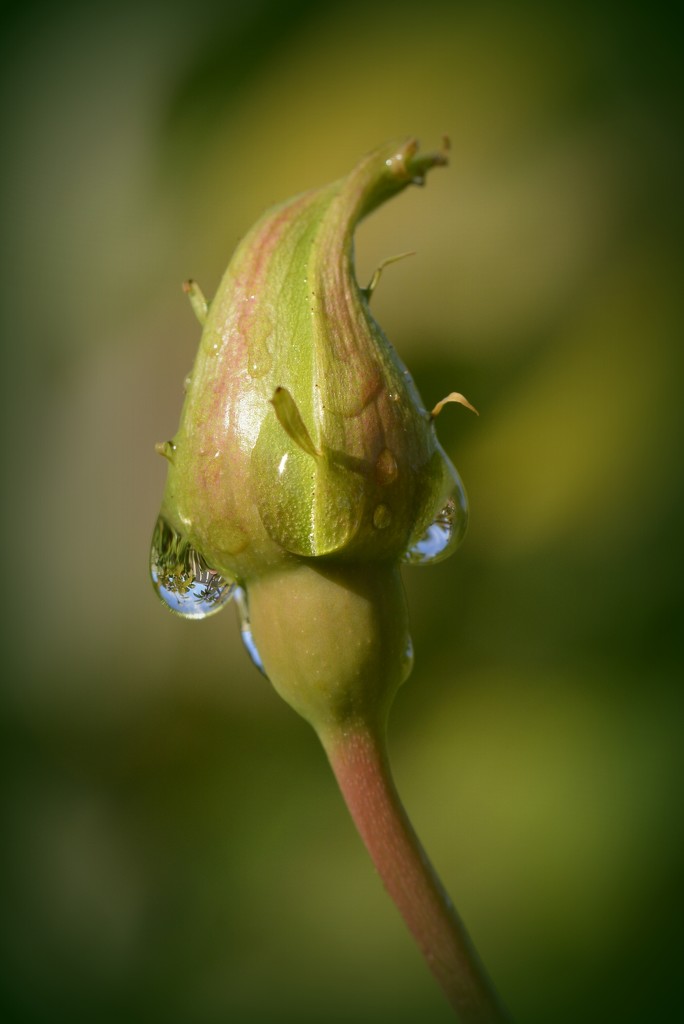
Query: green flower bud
{"x": 303, "y": 441}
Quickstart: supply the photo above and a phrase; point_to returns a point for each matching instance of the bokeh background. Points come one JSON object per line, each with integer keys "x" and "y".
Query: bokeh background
{"x": 173, "y": 845}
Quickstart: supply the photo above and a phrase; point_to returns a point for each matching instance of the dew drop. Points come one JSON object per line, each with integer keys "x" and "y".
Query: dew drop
{"x": 246, "y": 630}
{"x": 442, "y": 536}
{"x": 259, "y": 343}
{"x": 259, "y": 362}
{"x": 386, "y": 470}
{"x": 408, "y": 658}
{"x": 382, "y": 517}
{"x": 182, "y": 578}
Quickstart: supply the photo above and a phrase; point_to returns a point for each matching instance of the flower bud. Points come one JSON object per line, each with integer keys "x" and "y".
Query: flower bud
{"x": 305, "y": 467}
{"x": 302, "y": 433}
{"x": 304, "y": 470}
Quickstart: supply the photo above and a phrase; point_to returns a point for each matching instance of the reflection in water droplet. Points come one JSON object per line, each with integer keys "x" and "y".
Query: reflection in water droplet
{"x": 182, "y": 578}
{"x": 382, "y": 517}
{"x": 442, "y": 536}
{"x": 246, "y": 629}
{"x": 408, "y": 660}
{"x": 386, "y": 468}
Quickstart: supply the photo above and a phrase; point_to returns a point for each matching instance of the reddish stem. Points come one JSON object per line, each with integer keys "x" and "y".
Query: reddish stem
{"x": 359, "y": 761}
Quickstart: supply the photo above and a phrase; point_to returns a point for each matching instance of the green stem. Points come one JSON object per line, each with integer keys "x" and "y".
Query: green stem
{"x": 360, "y": 763}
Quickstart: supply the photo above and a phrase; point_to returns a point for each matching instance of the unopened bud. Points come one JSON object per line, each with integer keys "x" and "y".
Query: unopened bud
{"x": 303, "y": 439}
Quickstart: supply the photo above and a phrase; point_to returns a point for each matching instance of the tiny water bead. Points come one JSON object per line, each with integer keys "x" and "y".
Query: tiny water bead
{"x": 442, "y": 536}
{"x": 386, "y": 469}
{"x": 182, "y": 578}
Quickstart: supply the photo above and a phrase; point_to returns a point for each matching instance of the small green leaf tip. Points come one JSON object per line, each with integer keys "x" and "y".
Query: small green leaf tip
{"x": 302, "y": 433}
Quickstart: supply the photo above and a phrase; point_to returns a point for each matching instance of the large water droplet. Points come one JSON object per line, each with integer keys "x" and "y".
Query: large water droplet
{"x": 443, "y": 535}
{"x": 182, "y": 577}
{"x": 246, "y": 630}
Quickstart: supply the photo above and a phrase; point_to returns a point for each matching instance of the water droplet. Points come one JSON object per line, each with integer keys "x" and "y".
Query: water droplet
{"x": 259, "y": 362}
{"x": 182, "y": 577}
{"x": 386, "y": 468}
{"x": 396, "y": 164}
{"x": 246, "y": 630}
{"x": 443, "y": 535}
{"x": 382, "y": 517}
{"x": 408, "y": 660}
{"x": 259, "y": 334}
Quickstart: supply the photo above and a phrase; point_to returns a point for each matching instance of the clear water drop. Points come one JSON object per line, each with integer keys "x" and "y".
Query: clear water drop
{"x": 182, "y": 578}
{"x": 259, "y": 334}
{"x": 246, "y": 630}
{"x": 408, "y": 660}
{"x": 443, "y": 535}
{"x": 386, "y": 469}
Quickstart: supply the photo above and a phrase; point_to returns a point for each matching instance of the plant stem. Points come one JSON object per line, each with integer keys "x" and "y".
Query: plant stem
{"x": 359, "y": 760}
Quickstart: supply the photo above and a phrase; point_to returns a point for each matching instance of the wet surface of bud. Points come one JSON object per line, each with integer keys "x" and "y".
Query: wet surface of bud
{"x": 302, "y": 433}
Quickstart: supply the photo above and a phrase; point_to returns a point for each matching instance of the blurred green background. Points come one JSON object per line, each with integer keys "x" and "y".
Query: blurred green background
{"x": 174, "y": 848}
